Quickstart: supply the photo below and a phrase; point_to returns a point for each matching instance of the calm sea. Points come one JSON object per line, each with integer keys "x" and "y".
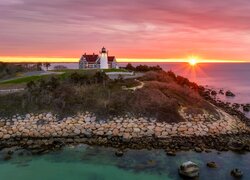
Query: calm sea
{"x": 99, "y": 163}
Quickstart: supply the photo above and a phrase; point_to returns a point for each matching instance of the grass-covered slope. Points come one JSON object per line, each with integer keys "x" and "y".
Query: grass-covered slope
{"x": 162, "y": 96}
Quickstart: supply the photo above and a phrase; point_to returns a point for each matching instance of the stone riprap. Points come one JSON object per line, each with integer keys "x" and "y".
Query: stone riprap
{"x": 47, "y": 125}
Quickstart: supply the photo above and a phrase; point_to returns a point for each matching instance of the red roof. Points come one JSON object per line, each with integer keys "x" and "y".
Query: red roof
{"x": 93, "y": 57}
{"x": 111, "y": 58}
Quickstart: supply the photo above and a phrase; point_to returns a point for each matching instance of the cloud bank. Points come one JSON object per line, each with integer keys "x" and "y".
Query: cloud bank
{"x": 131, "y": 29}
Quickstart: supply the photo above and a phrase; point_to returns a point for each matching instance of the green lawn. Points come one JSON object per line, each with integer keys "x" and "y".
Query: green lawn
{"x": 67, "y": 72}
{"x": 22, "y": 80}
{"x": 85, "y": 71}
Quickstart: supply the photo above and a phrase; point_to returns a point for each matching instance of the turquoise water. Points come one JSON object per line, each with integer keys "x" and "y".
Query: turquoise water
{"x": 98, "y": 163}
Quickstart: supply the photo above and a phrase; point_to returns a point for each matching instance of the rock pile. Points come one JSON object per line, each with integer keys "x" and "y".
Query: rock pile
{"x": 48, "y": 125}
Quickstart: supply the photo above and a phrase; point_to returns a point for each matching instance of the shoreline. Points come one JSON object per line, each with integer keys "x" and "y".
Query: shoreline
{"x": 44, "y": 132}
{"x": 225, "y": 106}
{"x": 234, "y": 142}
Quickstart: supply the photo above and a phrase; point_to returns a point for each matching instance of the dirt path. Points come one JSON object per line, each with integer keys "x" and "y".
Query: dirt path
{"x": 136, "y": 87}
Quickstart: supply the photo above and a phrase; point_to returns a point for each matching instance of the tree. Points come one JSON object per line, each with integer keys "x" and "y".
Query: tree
{"x": 39, "y": 66}
{"x": 46, "y": 65}
{"x": 130, "y": 67}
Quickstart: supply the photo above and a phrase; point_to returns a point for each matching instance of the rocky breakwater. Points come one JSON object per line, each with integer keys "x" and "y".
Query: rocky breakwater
{"x": 121, "y": 132}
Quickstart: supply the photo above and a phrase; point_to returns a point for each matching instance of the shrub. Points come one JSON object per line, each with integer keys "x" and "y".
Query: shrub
{"x": 143, "y": 68}
{"x": 60, "y": 67}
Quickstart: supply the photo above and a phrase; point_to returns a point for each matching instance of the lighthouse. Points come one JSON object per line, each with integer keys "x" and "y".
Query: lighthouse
{"x": 104, "y": 59}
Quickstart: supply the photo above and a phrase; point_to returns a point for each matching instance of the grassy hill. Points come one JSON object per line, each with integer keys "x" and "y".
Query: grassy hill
{"x": 162, "y": 96}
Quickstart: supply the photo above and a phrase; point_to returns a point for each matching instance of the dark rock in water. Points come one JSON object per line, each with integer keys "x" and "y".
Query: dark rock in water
{"x": 236, "y": 105}
{"x": 171, "y": 153}
{"x": 213, "y": 93}
{"x": 189, "y": 169}
{"x": 236, "y": 146}
{"x": 236, "y": 173}
{"x": 7, "y": 157}
{"x": 151, "y": 163}
{"x": 221, "y": 91}
{"x": 119, "y": 153}
{"x": 10, "y": 152}
{"x": 23, "y": 152}
{"x": 246, "y": 108}
{"x": 212, "y": 164}
{"x": 208, "y": 150}
{"x": 147, "y": 165}
{"x": 230, "y": 94}
{"x": 197, "y": 149}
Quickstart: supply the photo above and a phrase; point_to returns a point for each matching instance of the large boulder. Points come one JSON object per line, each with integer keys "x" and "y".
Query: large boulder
{"x": 189, "y": 169}
{"x": 119, "y": 153}
{"x": 213, "y": 93}
{"x": 246, "y": 107}
{"x": 211, "y": 164}
{"x": 236, "y": 146}
{"x": 230, "y": 94}
{"x": 236, "y": 173}
{"x": 221, "y": 91}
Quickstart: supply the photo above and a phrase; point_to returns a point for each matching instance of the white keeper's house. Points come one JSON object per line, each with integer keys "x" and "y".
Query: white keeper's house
{"x": 98, "y": 61}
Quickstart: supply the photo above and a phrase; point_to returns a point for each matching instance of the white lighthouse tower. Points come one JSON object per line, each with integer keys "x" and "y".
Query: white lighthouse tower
{"x": 104, "y": 59}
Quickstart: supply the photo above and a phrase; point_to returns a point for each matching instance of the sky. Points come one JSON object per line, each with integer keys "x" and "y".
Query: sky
{"x": 131, "y": 29}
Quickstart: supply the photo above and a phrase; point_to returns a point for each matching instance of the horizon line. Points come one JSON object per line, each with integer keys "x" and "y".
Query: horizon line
{"x": 20, "y": 59}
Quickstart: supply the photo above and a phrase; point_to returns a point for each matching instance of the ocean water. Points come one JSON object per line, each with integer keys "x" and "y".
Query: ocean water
{"x": 98, "y": 163}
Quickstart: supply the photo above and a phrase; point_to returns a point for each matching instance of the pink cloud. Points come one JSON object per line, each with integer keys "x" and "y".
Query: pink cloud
{"x": 143, "y": 28}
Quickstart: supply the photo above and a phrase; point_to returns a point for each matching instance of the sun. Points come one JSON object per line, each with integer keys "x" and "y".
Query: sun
{"x": 192, "y": 61}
